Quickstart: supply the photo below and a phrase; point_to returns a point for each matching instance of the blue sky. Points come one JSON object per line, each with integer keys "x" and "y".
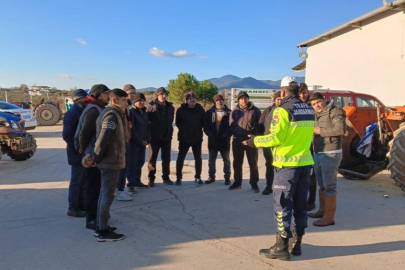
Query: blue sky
{"x": 80, "y": 43}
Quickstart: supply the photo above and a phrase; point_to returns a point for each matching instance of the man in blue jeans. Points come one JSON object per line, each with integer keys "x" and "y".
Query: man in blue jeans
{"x": 330, "y": 126}
{"x": 77, "y": 179}
{"x": 216, "y": 127}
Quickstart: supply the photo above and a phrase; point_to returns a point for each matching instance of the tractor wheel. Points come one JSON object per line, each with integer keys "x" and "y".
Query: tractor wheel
{"x": 47, "y": 114}
{"x": 23, "y": 156}
{"x": 397, "y": 158}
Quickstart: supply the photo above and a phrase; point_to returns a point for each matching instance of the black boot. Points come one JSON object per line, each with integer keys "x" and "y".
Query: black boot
{"x": 295, "y": 244}
{"x": 278, "y": 251}
{"x": 227, "y": 181}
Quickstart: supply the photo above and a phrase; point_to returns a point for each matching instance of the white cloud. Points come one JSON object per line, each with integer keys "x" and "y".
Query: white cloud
{"x": 81, "y": 41}
{"x": 179, "y": 54}
{"x": 66, "y": 76}
{"x": 203, "y": 57}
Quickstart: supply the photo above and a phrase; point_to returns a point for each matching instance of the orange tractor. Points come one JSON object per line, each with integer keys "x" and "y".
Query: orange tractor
{"x": 386, "y": 148}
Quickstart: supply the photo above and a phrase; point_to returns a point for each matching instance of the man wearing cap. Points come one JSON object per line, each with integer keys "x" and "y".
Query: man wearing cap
{"x": 216, "y": 127}
{"x": 140, "y": 138}
{"x": 244, "y": 123}
{"x": 264, "y": 129}
{"x": 290, "y": 137}
{"x": 77, "y": 181}
{"x": 190, "y": 122}
{"x": 161, "y": 116}
{"x": 123, "y": 195}
{"x": 85, "y": 139}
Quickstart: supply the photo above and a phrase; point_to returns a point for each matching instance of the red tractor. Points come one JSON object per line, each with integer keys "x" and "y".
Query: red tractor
{"x": 387, "y": 139}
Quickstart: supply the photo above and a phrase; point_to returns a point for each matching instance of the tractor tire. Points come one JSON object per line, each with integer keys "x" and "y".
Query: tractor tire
{"x": 397, "y": 158}
{"x": 47, "y": 114}
{"x": 23, "y": 156}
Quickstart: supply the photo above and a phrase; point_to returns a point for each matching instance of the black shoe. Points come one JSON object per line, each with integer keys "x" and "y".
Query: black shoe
{"x": 91, "y": 225}
{"x": 278, "y": 251}
{"x": 108, "y": 236}
{"x": 227, "y": 181}
{"x": 255, "y": 189}
{"x": 168, "y": 182}
{"x": 111, "y": 229}
{"x": 151, "y": 183}
{"x": 235, "y": 186}
{"x": 311, "y": 206}
{"x": 141, "y": 185}
{"x": 178, "y": 182}
{"x": 295, "y": 244}
{"x": 199, "y": 181}
{"x": 267, "y": 191}
{"x": 76, "y": 213}
{"x": 210, "y": 180}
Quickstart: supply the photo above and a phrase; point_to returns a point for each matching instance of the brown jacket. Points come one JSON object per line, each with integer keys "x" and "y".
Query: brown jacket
{"x": 332, "y": 123}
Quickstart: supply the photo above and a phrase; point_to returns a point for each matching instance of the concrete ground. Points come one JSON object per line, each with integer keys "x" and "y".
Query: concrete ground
{"x": 186, "y": 227}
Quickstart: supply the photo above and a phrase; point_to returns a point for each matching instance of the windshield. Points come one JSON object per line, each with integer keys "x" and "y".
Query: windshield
{"x": 8, "y": 106}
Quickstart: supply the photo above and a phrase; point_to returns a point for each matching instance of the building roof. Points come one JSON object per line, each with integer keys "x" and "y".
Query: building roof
{"x": 356, "y": 23}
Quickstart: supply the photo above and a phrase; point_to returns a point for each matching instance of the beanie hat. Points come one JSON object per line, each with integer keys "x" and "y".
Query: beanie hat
{"x": 78, "y": 94}
{"x": 242, "y": 94}
{"x": 190, "y": 95}
{"x": 218, "y": 97}
{"x": 161, "y": 90}
{"x": 285, "y": 82}
{"x": 276, "y": 95}
{"x": 129, "y": 88}
{"x": 138, "y": 97}
{"x": 98, "y": 89}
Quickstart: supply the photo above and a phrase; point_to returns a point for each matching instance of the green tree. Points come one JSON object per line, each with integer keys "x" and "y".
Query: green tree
{"x": 206, "y": 91}
{"x": 178, "y": 88}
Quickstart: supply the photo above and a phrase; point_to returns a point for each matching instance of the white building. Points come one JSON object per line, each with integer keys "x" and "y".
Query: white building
{"x": 365, "y": 55}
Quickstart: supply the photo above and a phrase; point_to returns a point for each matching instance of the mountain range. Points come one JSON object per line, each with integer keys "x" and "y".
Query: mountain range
{"x": 232, "y": 81}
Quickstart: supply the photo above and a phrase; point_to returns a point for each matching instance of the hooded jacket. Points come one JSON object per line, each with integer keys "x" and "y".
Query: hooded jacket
{"x": 332, "y": 123}
{"x": 190, "y": 122}
{"x": 140, "y": 130}
{"x": 217, "y": 139}
{"x": 161, "y": 120}
{"x": 244, "y": 122}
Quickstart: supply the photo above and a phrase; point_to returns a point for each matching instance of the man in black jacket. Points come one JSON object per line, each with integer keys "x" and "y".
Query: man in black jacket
{"x": 216, "y": 127}
{"x": 244, "y": 123}
{"x": 140, "y": 138}
{"x": 190, "y": 122}
{"x": 85, "y": 139}
{"x": 161, "y": 116}
{"x": 109, "y": 156}
{"x": 264, "y": 129}
{"x": 76, "y": 186}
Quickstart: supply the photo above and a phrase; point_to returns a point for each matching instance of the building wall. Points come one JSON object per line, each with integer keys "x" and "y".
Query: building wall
{"x": 368, "y": 60}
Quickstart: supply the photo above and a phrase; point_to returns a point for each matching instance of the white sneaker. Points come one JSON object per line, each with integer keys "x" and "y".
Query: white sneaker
{"x": 123, "y": 196}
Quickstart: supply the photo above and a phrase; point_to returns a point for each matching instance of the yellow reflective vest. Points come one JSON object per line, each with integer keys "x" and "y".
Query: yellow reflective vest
{"x": 291, "y": 133}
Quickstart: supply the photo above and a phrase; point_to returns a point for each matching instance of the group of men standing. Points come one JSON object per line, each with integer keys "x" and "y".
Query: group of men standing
{"x": 106, "y": 148}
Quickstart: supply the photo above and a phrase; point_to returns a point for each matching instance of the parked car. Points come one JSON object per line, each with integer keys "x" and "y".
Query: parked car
{"x": 26, "y": 114}
{"x": 14, "y": 140}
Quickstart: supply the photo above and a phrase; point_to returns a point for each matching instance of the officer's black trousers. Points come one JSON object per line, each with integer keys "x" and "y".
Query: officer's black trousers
{"x": 290, "y": 189}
